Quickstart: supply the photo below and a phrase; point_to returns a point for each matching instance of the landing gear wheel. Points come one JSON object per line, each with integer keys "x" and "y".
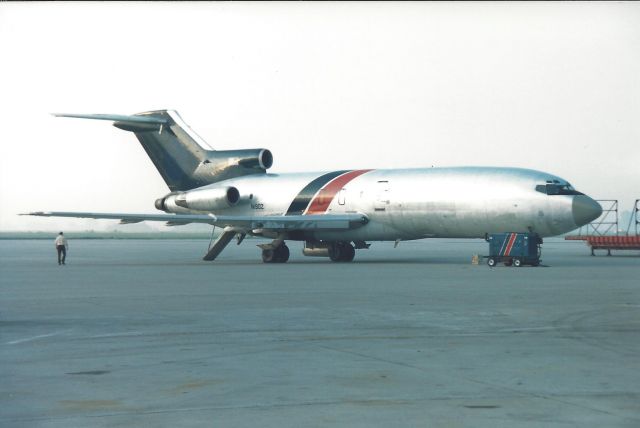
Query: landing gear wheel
{"x": 491, "y": 262}
{"x": 279, "y": 255}
{"x": 268, "y": 256}
{"x": 282, "y": 254}
{"x": 348, "y": 253}
{"x": 335, "y": 252}
{"x": 341, "y": 252}
{"x": 517, "y": 262}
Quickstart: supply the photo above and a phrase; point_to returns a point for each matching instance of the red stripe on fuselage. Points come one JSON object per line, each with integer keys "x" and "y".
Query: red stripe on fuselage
{"x": 321, "y": 201}
{"x": 512, "y": 239}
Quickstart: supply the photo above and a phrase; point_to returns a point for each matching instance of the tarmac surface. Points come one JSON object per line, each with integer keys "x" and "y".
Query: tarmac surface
{"x": 144, "y": 333}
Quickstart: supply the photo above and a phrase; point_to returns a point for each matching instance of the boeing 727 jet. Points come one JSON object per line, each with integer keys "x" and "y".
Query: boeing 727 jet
{"x": 337, "y": 212}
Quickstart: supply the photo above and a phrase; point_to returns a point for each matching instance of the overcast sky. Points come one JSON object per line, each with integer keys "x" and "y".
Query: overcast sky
{"x": 548, "y": 86}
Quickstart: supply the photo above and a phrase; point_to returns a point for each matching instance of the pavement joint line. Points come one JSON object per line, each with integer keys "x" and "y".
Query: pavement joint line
{"x": 109, "y": 335}
{"x": 41, "y": 336}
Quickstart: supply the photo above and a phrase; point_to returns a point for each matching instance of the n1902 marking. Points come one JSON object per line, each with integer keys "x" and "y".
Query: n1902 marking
{"x": 257, "y": 206}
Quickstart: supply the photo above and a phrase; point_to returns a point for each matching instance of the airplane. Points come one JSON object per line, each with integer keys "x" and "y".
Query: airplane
{"x": 336, "y": 212}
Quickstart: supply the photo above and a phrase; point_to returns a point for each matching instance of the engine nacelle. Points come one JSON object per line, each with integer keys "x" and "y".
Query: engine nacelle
{"x": 211, "y": 199}
{"x": 251, "y": 158}
{"x": 222, "y": 165}
{"x": 204, "y": 199}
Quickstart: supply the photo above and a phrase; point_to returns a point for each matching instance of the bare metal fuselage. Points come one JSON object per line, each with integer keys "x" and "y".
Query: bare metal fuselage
{"x": 459, "y": 202}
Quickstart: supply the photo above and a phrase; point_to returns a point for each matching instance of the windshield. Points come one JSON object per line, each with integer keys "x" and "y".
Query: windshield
{"x": 556, "y": 188}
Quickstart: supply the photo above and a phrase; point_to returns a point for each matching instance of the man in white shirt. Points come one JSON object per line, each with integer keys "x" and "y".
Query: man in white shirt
{"x": 61, "y": 246}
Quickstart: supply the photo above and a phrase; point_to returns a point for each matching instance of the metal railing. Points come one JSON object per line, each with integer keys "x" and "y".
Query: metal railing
{"x": 607, "y": 221}
{"x": 634, "y": 218}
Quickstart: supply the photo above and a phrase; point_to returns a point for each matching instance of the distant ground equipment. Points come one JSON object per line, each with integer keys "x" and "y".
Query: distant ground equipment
{"x": 604, "y": 233}
{"x": 514, "y": 249}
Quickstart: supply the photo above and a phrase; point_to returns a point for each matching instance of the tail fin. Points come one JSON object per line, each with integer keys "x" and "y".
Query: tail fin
{"x": 179, "y": 153}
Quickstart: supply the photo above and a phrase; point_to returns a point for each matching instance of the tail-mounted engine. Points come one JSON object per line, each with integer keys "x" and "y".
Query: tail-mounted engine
{"x": 209, "y": 199}
{"x": 224, "y": 164}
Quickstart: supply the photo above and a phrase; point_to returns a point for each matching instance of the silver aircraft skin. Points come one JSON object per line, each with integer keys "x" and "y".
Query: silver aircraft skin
{"x": 336, "y": 212}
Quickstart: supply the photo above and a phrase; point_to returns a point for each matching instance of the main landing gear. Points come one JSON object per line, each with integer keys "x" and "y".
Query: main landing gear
{"x": 337, "y": 251}
{"x": 279, "y": 254}
{"x": 341, "y": 252}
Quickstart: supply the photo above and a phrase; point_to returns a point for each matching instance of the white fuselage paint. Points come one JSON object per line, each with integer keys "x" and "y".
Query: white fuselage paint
{"x": 457, "y": 202}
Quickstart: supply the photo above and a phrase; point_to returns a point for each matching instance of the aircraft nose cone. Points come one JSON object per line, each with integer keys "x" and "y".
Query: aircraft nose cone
{"x": 585, "y": 210}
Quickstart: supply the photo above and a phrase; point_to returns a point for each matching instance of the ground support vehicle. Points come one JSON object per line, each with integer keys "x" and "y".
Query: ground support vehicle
{"x": 514, "y": 249}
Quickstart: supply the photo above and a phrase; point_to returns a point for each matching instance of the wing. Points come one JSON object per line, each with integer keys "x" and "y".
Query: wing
{"x": 239, "y": 223}
{"x": 232, "y": 225}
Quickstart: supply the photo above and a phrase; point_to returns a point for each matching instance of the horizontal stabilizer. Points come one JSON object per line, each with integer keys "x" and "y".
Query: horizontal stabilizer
{"x": 117, "y": 118}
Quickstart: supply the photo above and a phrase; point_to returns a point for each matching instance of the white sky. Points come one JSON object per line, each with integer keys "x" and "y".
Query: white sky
{"x": 548, "y": 86}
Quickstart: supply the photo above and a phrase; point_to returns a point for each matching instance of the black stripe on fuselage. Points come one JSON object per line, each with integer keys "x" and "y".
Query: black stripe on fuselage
{"x": 302, "y": 200}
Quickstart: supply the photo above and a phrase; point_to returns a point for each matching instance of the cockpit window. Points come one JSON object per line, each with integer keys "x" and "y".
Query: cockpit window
{"x": 555, "y": 188}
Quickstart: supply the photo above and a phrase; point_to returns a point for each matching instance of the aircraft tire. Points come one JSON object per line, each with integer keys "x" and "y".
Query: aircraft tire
{"x": 335, "y": 252}
{"x": 282, "y": 254}
{"x": 517, "y": 262}
{"x": 348, "y": 253}
{"x": 491, "y": 261}
{"x": 268, "y": 256}
{"x": 341, "y": 252}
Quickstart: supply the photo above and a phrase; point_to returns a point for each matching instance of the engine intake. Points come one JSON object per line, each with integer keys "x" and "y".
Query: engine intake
{"x": 263, "y": 159}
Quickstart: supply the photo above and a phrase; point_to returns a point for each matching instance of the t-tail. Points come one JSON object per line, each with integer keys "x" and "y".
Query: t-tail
{"x": 180, "y": 155}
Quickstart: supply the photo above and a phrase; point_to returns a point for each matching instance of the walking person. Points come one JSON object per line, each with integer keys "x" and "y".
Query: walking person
{"x": 61, "y": 246}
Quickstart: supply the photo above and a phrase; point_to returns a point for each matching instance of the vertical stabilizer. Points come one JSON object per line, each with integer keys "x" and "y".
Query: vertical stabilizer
{"x": 179, "y": 154}
{"x": 173, "y": 147}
